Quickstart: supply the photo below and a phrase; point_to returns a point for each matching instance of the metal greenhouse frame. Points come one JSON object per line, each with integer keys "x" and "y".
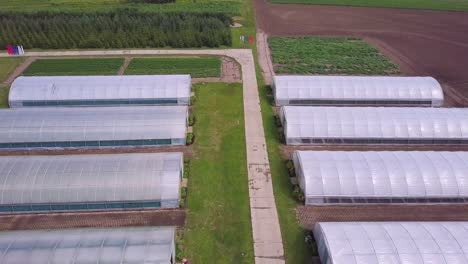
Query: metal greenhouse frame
{"x": 383, "y": 177}
{"x": 92, "y": 127}
{"x": 374, "y": 125}
{"x": 90, "y": 182}
{"x": 357, "y": 91}
{"x": 392, "y": 242}
{"x": 155, "y": 245}
{"x": 100, "y": 90}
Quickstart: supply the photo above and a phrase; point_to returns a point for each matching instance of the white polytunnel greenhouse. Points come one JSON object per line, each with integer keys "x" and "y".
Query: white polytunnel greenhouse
{"x": 90, "y": 182}
{"x": 100, "y": 90}
{"x": 357, "y": 90}
{"x": 309, "y": 125}
{"x": 152, "y": 245}
{"x": 392, "y": 242}
{"x": 92, "y": 127}
{"x": 368, "y": 177}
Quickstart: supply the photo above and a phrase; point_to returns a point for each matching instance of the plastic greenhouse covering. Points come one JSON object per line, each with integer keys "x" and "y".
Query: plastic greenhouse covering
{"x": 374, "y": 125}
{"x": 90, "y": 182}
{"x": 339, "y": 177}
{"x": 95, "y": 127}
{"x": 392, "y": 242}
{"x": 151, "y": 245}
{"x": 357, "y": 90}
{"x": 100, "y": 90}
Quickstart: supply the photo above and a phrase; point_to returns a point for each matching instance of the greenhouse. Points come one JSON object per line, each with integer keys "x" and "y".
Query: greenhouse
{"x": 340, "y": 177}
{"x": 100, "y": 90}
{"x": 309, "y": 125}
{"x": 357, "y": 91}
{"x": 92, "y": 127}
{"x": 155, "y": 245}
{"x": 90, "y": 182}
{"x": 392, "y": 242}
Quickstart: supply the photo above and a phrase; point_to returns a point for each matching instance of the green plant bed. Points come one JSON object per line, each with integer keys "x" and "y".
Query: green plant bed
{"x": 328, "y": 55}
{"x": 46, "y": 67}
{"x": 218, "y": 226}
{"x": 196, "y": 67}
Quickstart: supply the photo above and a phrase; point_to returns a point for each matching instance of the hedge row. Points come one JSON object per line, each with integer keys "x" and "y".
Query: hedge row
{"x": 120, "y": 29}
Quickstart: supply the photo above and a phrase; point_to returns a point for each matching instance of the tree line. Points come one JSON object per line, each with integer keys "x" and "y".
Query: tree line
{"x": 114, "y": 29}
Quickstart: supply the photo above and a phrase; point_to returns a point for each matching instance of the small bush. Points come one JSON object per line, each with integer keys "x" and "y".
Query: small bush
{"x": 183, "y": 192}
{"x": 191, "y": 120}
{"x": 311, "y": 243}
{"x": 278, "y": 121}
{"x": 186, "y": 169}
{"x": 193, "y": 99}
{"x": 281, "y": 137}
{"x": 290, "y": 167}
{"x": 298, "y": 194}
{"x": 190, "y": 138}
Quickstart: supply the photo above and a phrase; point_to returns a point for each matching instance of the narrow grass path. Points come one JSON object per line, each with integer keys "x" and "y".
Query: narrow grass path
{"x": 218, "y": 226}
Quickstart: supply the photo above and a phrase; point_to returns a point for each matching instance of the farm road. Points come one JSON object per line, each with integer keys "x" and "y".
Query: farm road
{"x": 268, "y": 244}
{"x": 421, "y": 42}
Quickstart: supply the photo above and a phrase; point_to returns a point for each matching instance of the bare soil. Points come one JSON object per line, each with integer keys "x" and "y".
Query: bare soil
{"x": 431, "y": 43}
{"x": 309, "y": 215}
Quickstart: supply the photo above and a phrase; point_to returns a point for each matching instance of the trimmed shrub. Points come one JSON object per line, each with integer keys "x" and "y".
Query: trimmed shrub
{"x": 298, "y": 194}
{"x": 278, "y": 121}
{"x": 290, "y": 167}
{"x": 126, "y": 28}
{"x": 190, "y": 138}
{"x": 191, "y": 120}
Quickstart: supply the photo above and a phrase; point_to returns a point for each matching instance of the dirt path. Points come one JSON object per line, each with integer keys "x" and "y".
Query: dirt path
{"x": 421, "y": 42}
{"x": 264, "y": 57}
{"x": 19, "y": 70}
{"x": 124, "y": 66}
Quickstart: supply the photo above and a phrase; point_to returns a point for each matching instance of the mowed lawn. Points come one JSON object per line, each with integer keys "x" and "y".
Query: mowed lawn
{"x": 328, "y": 55}
{"x": 7, "y": 66}
{"x": 449, "y": 5}
{"x": 74, "y": 67}
{"x": 196, "y": 67}
{"x": 218, "y": 226}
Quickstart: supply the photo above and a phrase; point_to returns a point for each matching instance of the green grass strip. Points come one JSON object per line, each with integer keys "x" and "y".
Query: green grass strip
{"x": 218, "y": 227}
{"x": 74, "y": 67}
{"x": 196, "y": 67}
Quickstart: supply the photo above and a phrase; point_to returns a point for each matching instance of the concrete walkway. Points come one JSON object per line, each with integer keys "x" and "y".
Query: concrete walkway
{"x": 268, "y": 245}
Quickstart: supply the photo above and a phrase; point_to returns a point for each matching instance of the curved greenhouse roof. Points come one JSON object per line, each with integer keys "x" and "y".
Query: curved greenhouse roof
{"x": 374, "y": 125}
{"x": 153, "y": 245}
{"x": 357, "y": 90}
{"x": 92, "y": 126}
{"x": 100, "y": 90}
{"x": 83, "y": 182}
{"x": 382, "y": 177}
{"x": 392, "y": 242}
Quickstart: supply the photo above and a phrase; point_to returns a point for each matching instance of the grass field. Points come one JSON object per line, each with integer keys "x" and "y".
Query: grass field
{"x": 74, "y": 67}
{"x": 196, "y": 67}
{"x": 449, "y": 5}
{"x": 218, "y": 226}
{"x": 4, "y": 89}
{"x": 323, "y": 55}
{"x": 7, "y": 66}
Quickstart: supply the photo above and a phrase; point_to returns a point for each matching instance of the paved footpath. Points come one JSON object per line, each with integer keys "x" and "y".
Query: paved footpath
{"x": 268, "y": 245}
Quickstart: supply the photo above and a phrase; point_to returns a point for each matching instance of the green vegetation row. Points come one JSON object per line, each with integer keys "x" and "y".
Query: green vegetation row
{"x": 449, "y": 5}
{"x": 328, "y": 55}
{"x": 63, "y": 67}
{"x": 122, "y": 29}
{"x": 196, "y": 67}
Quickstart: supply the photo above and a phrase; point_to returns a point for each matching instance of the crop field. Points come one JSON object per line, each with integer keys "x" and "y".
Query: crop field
{"x": 74, "y": 67}
{"x": 449, "y": 5}
{"x": 196, "y": 67}
{"x": 327, "y": 55}
{"x": 7, "y": 66}
{"x": 218, "y": 228}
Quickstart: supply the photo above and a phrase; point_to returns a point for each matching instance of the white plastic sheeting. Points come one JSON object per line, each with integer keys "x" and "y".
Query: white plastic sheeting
{"x": 36, "y": 183}
{"x": 357, "y": 90}
{"x": 153, "y": 245}
{"x": 100, "y": 90}
{"x": 374, "y": 125}
{"x": 382, "y": 177}
{"x": 392, "y": 242}
{"x": 31, "y": 127}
